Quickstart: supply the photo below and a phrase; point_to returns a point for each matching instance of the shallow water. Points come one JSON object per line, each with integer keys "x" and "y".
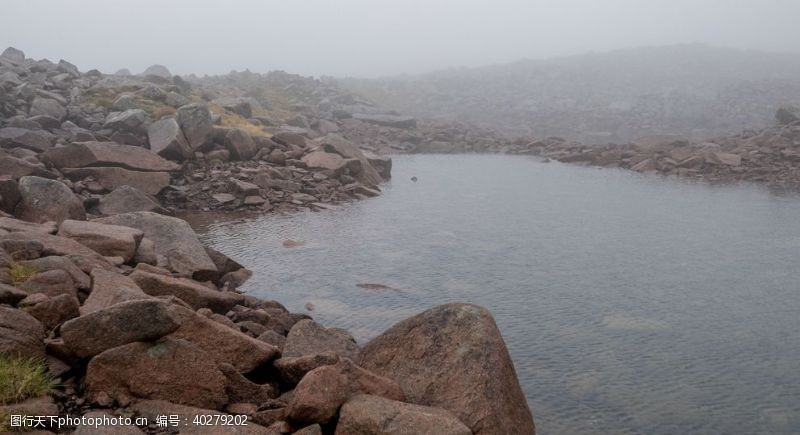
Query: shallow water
{"x": 630, "y": 304}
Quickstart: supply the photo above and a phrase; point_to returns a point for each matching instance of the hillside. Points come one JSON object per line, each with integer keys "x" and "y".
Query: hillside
{"x": 692, "y": 90}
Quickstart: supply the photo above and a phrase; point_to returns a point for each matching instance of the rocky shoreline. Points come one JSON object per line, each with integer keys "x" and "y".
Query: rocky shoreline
{"x": 120, "y": 314}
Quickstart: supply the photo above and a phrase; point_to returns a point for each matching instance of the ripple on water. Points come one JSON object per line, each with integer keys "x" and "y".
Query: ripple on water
{"x": 630, "y": 304}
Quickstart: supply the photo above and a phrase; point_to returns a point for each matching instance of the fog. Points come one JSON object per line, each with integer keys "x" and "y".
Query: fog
{"x": 367, "y": 38}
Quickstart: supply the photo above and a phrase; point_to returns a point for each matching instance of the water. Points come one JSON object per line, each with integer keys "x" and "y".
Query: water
{"x": 630, "y": 304}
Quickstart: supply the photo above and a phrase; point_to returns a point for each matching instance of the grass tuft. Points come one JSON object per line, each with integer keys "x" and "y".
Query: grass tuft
{"x": 22, "y": 379}
{"x": 20, "y": 273}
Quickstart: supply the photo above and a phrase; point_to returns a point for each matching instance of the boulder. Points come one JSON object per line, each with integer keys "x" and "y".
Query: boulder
{"x": 83, "y": 257}
{"x": 108, "y": 240}
{"x": 48, "y": 107}
{"x": 51, "y": 283}
{"x": 726, "y": 159}
{"x": 15, "y": 225}
{"x": 238, "y": 105}
{"x": 443, "y": 356}
{"x": 290, "y": 138}
{"x": 151, "y": 183}
{"x": 366, "y": 414}
{"x": 110, "y": 288}
{"x": 364, "y": 172}
{"x": 43, "y": 200}
{"x": 395, "y": 121}
{"x": 11, "y": 295}
{"x": 196, "y": 123}
{"x": 126, "y": 199}
{"x": 174, "y": 240}
{"x": 55, "y": 311}
{"x": 20, "y": 334}
{"x": 382, "y": 164}
{"x": 123, "y": 323}
{"x": 308, "y": 337}
{"x": 167, "y": 370}
{"x": 158, "y": 71}
{"x": 242, "y": 390}
{"x": 322, "y": 391}
{"x": 55, "y": 262}
{"x": 193, "y": 293}
{"x": 34, "y": 140}
{"x": 125, "y": 102}
{"x": 334, "y": 164}
{"x": 14, "y": 168}
{"x": 175, "y": 99}
{"x": 787, "y": 115}
{"x": 659, "y": 142}
{"x": 167, "y": 140}
{"x": 292, "y": 369}
{"x": 129, "y": 121}
{"x": 9, "y": 194}
{"x": 13, "y": 54}
{"x": 107, "y": 154}
{"x": 222, "y": 344}
{"x": 240, "y": 145}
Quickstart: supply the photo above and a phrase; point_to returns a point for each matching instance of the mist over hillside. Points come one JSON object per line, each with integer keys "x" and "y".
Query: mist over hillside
{"x": 694, "y": 90}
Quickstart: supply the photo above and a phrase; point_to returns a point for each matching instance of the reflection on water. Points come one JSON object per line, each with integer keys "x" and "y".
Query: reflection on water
{"x": 630, "y": 304}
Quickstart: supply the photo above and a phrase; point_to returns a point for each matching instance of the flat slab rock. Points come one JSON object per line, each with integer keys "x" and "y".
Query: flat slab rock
{"x": 83, "y": 154}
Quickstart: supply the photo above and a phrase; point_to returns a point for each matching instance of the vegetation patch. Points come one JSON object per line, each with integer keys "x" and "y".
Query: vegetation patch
{"x": 22, "y": 379}
{"x": 20, "y": 273}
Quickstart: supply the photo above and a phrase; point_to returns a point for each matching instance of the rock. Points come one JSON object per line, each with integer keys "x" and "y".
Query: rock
{"x": 51, "y": 283}
{"x": 129, "y": 121}
{"x": 11, "y": 137}
{"x": 222, "y": 344}
{"x": 322, "y": 391}
{"x": 16, "y": 225}
{"x": 18, "y": 249}
{"x": 240, "y": 145}
{"x": 9, "y": 195}
{"x": 108, "y": 240}
{"x": 292, "y": 369}
{"x": 167, "y": 370}
{"x": 644, "y": 166}
{"x": 659, "y": 142}
{"x": 196, "y": 123}
{"x": 367, "y": 414}
{"x": 787, "y": 115}
{"x": 334, "y": 164}
{"x": 240, "y": 106}
{"x": 726, "y": 159}
{"x": 395, "y": 121}
{"x": 241, "y": 389}
{"x": 48, "y": 107}
{"x": 15, "y": 168}
{"x": 167, "y": 140}
{"x": 108, "y": 154}
{"x": 55, "y": 262}
{"x": 126, "y": 199}
{"x": 308, "y": 337}
{"x": 269, "y": 337}
{"x": 124, "y": 102}
{"x": 14, "y": 55}
{"x": 223, "y": 198}
{"x": 175, "y": 99}
{"x": 11, "y": 296}
{"x": 110, "y": 288}
{"x": 151, "y": 183}
{"x": 43, "y": 200}
{"x": 193, "y": 293}
{"x": 55, "y": 311}
{"x": 174, "y": 239}
{"x": 277, "y": 156}
{"x": 382, "y": 164}
{"x": 289, "y": 138}
{"x": 83, "y": 257}
{"x": 443, "y": 356}
{"x": 123, "y": 323}
{"x": 364, "y": 172}
{"x": 158, "y": 71}
{"x": 20, "y": 334}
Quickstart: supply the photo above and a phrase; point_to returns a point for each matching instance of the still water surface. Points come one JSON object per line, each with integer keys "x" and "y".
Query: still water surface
{"x": 630, "y": 304}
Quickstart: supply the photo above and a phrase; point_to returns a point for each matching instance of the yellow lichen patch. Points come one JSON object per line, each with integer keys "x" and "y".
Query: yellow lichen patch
{"x": 20, "y": 273}
{"x": 233, "y": 120}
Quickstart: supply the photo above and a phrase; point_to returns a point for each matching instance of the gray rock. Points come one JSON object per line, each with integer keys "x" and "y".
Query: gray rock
{"x": 48, "y": 107}
{"x": 108, "y": 240}
{"x": 157, "y": 70}
{"x": 110, "y": 154}
{"x": 20, "y": 334}
{"x": 395, "y": 121}
{"x": 43, "y": 200}
{"x": 308, "y": 338}
{"x": 131, "y": 121}
{"x": 126, "y": 199}
{"x": 110, "y": 288}
{"x": 167, "y": 140}
{"x": 13, "y": 55}
{"x": 196, "y": 123}
{"x": 36, "y": 140}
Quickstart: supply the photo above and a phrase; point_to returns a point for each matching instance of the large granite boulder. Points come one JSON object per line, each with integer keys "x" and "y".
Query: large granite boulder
{"x": 34, "y": 140}
{"x": 364, "y": 172}
{"x": 55, "y": 262}
{"x": 374, "y": 415}
{"x": 48, "y": 107}
{"x": 173, "y": 370}
{"x": 396, "y": 121}
{"x": 14, "y": 168}
{"x": 239, "y": 144}
{"x": 126, "y": 199}
{"x": 123, "y": 323}
{"x": 20, "y": 334}
{"x": 174, "y": 240}
{"x": 112, "y": 178}
{"x": 108, "y": 154}
{"x": 308, "y": 337}
{"x": 196, "y": 123}
{"x": 453, "y": 357}
{"x": 110, "y": 288}
{"x": 129, "y": 121}
{"x": 54, "y": 311}
{"x": 108, "y": 240}
{"x": 192, "y": 292}
{"x": 43, "y": 200}
{"x": 167, "y": 140}
{"x": 158, "y": 71}
{"x": 322, "y": 391}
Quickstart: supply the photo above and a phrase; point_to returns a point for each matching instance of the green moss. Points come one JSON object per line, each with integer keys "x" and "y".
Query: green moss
{"x": 20, "y": 273}
{"x": 22, "y": 379}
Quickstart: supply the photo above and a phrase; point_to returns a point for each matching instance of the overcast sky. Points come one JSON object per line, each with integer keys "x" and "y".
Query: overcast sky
{"x": 375, "y": 37}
